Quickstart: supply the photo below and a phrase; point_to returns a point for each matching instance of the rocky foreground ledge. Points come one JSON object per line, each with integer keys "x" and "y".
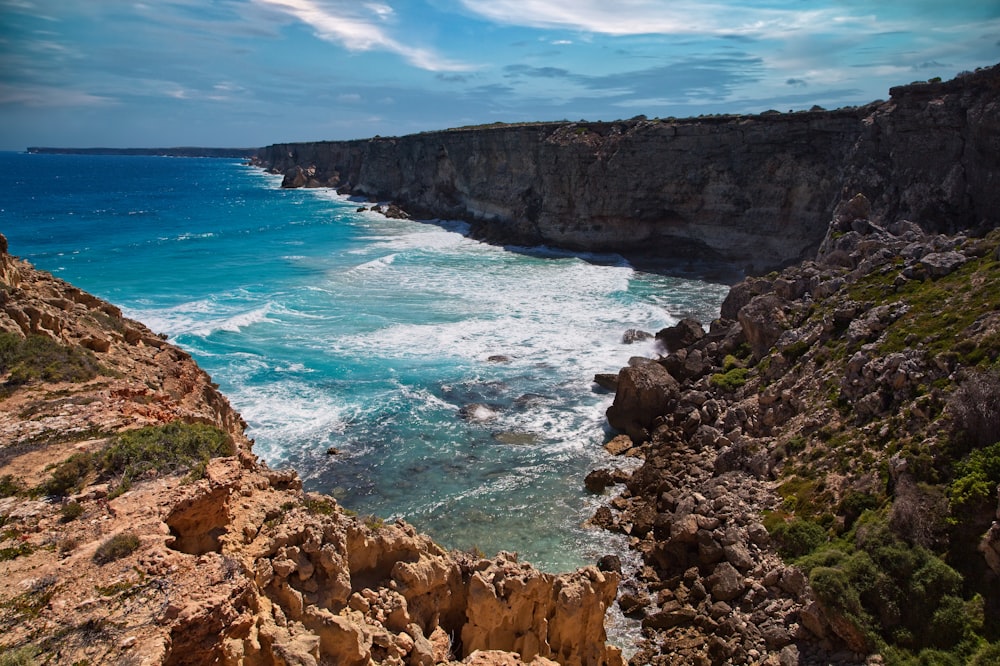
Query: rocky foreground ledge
{"x": 137, "y": 526}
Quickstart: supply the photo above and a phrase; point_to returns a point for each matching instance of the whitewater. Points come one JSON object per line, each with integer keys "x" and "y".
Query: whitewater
{"x": 400, "y": 366}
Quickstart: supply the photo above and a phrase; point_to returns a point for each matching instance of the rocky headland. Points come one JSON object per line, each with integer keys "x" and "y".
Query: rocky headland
{"x": 755, "y": 192}
{"x": 138, "y": 527}
{"x": 819, "y": 469}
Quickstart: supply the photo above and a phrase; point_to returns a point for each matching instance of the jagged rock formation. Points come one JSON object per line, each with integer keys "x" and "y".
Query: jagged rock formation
{"x": 843, "y": 412}
{"x": 233, "y": 563}
{"x": 756, "y": 191}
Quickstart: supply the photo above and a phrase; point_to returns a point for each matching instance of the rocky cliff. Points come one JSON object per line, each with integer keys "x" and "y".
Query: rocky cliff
{"x": 821, "y": 466}
{"x": 137, "y": 526}
{"x": 754, "y": 191}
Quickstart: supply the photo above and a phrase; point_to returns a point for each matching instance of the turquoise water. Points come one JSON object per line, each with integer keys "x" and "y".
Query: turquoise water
{"x": 330, "y": 328}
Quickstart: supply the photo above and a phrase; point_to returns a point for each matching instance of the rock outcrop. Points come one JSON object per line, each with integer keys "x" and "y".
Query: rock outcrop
{"x": 840, "y": 409}
{"x": 229, "y": 562}
{"x": 754, "y": 191}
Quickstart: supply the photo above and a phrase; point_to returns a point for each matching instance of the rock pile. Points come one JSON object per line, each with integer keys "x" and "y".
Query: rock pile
{"x": 724, "y": 417}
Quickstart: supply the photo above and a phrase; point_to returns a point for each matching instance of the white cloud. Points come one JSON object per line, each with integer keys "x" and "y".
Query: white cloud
{"x": 49, "y": 96}
{"x": 349, "y": 98}
{"x": 643, "y": 17}
{"x": 341, "y": 23}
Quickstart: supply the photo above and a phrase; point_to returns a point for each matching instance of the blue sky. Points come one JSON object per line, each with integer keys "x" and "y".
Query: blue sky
{"x": 252, "y": 72}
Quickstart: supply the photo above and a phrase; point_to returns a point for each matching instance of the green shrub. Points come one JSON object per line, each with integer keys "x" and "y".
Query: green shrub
{"x": 9, "y": 486}
{"x": 41, "y": 357}
{"x": 169, "y": 448}
{"x": 173, "y": 447}
{"x": 22, "y": 656}
{"x": 70, "y": 475}
{"x": 798, "y": 537}
{"x": 70, "y": 511}
{"x": 907, "y": 595}
{"x": 117, "y": 547}
{"x": 730, "y": 380}
{"x": 976, "y": 478}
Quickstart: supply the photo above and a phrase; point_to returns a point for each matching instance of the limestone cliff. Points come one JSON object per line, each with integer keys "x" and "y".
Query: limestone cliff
{"x": 137, "y": 526}
{"x": 756, "y": 191}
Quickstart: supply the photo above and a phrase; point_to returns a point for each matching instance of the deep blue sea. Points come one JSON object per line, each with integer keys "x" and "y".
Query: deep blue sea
{"x": 330, "y": 328}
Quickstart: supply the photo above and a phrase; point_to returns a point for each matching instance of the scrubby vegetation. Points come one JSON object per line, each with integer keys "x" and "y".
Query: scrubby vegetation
{"x": 887, "y": 495}
{"x": 171, "y": 448}
{"x": 117, "y": 547}
{"x": 40, "y": 357}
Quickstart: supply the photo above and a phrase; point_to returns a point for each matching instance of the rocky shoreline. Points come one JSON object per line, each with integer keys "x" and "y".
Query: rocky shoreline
{"x": 137, "y": 526}
{"x": 796, "y": 409}
{"x": 819, "y": 475}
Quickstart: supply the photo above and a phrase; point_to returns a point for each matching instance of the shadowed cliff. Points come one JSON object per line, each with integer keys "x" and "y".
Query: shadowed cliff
{"x": 753, "y": 191}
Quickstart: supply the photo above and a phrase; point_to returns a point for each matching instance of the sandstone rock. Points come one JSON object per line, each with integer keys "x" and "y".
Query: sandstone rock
{"x": 618, "y": 445}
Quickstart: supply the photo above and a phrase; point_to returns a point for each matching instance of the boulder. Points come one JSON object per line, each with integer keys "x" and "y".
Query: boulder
{"x": 726, "y": 582}
{"x": 763, "y": 321}
{"x": 684, "y": 333}
{"x": 645, "y": 391}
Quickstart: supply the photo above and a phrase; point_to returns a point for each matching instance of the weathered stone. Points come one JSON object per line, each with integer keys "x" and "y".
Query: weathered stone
{"x": 684, "y": 333}
{"x": 645, "y": 392}
{"x": 726, "y": 582}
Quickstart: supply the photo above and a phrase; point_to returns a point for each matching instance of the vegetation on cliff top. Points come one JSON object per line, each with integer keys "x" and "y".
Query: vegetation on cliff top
{"x": 171, "y": 448}
{"x": 38, "y": 357}
{"x": 889, "y": 488}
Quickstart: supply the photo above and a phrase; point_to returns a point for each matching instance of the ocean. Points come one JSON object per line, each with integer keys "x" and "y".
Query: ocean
{"x": 398, "y": 365}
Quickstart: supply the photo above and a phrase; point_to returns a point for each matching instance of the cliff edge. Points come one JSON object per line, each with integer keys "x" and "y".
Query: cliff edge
{"x": 137, "y": 526}
{"x": 753, "y": 191}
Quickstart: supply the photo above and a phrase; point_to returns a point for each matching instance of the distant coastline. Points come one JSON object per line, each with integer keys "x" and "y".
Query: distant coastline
{"x": 184, "y": 151}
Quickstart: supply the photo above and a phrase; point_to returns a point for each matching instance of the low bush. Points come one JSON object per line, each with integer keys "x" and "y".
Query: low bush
{"x": 975, "y": 479}
{"x": 70, "y": 511}
{"x": 117, "y": 547}
{"x": 174, "y": 447}
{"x": 905, "y": 594}
{"x": 798, "y": 537}
{"x": 9, "y": 486}
{"x": 975, "y": 410}
{"x": 41, "y": 357}
{"x": 730, "y": 380}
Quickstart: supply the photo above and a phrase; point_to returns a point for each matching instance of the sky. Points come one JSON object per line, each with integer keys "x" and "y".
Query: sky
{"x": 247, "y": 73}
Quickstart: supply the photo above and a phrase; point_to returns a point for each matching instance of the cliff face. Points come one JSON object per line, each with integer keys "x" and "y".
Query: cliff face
{"x": 138, "y": 526}
{"x": 755, "y": 191}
